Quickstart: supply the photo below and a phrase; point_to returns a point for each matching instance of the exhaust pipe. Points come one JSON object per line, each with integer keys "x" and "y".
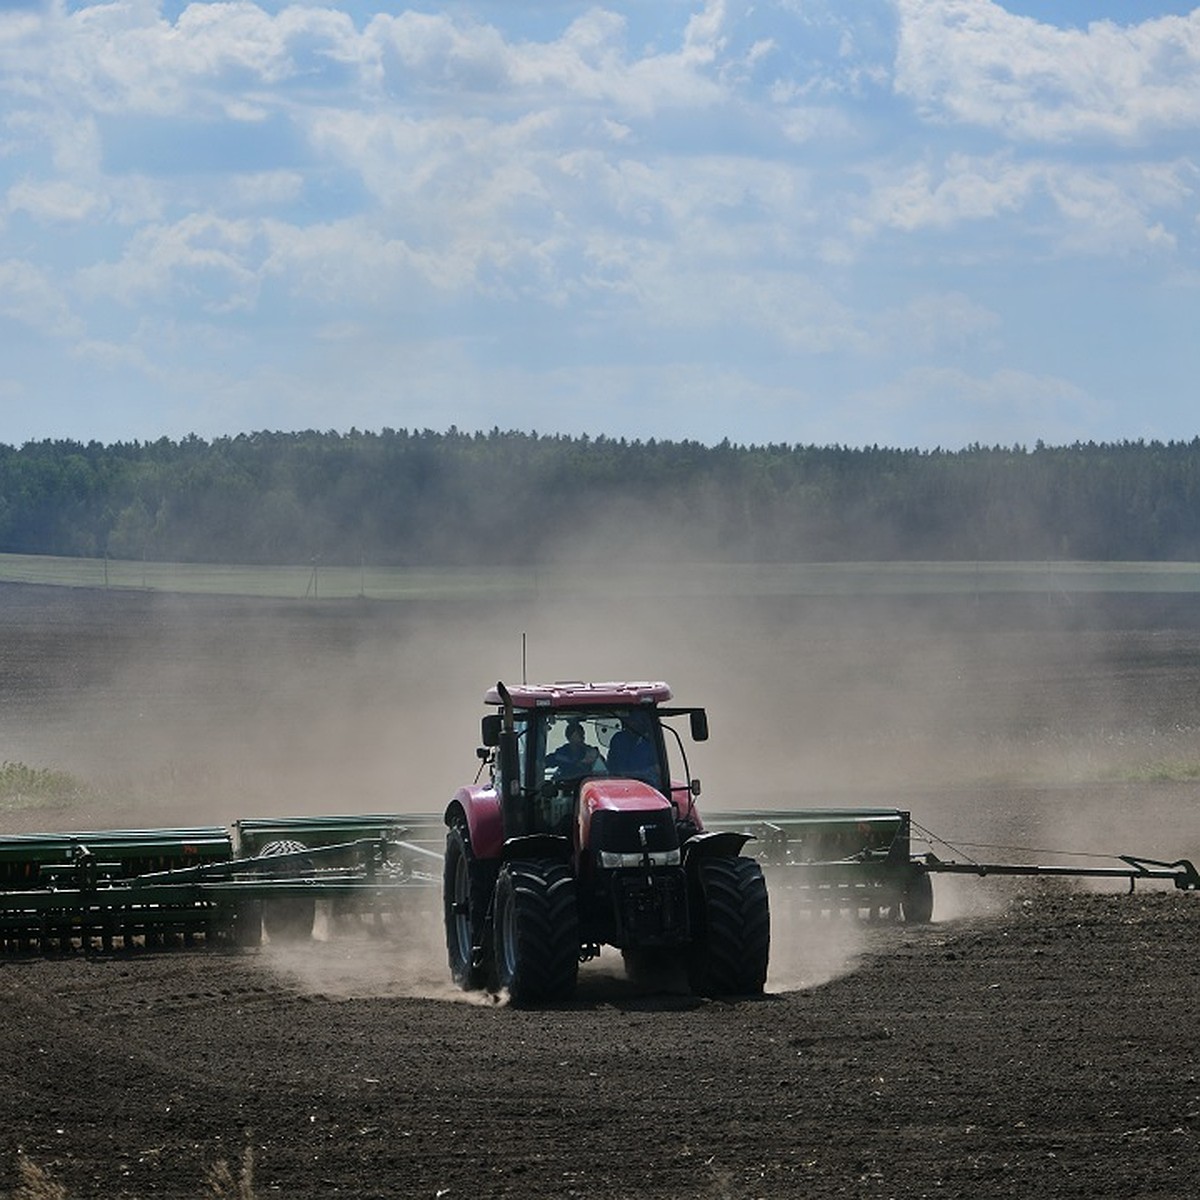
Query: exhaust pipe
{"x": 512, "y": 805}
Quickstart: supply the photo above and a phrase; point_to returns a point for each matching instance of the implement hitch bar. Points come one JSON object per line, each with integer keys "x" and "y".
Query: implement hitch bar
{"x": 1182, "y": 872}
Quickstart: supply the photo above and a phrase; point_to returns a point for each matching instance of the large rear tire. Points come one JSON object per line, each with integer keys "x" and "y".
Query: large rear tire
{"x": 466, "y": 891}
{"x": 536, "y": 932}
{"x": 731, "y": 928}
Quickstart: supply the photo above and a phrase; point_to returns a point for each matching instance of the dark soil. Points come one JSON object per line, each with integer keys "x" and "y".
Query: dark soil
{"x": 1048, "y": 1051}
{"x": 1032, "y": 1041}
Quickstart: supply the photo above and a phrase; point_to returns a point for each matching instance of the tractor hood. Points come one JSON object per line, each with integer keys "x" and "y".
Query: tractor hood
{"x": 619, "y": 795}
{"x": 621, "y": 819}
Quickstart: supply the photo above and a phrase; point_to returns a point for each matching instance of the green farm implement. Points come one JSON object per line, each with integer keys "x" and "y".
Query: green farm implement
{"x": 863, "y": 861}
{"x": 150, "y": 886}
{"x": 119, "y": 888}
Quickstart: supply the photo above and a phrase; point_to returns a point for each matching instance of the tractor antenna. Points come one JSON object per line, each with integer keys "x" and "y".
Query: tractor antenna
{"x": 524, "y": 672}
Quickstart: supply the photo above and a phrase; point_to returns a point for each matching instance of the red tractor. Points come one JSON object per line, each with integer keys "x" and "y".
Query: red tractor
{"x": 582, "y": 839}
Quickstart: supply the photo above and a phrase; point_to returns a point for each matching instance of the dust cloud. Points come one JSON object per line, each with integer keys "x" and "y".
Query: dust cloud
{"x": 405, "y": 956}
{"x": 808, "y": 950}
{"x": 210, "y": 710}
{"x": 1011, "y": 730}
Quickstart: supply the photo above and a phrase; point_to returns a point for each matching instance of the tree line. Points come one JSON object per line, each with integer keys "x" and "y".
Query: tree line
{"x": 400, "y": 497}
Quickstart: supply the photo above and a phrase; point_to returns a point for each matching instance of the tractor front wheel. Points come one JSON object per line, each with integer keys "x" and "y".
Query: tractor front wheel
{"x": 536, "y": 932}
{"x": 732, "y": 923}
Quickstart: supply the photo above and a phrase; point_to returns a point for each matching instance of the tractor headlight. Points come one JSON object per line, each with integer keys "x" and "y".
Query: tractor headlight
{"x": 614, "y": 859}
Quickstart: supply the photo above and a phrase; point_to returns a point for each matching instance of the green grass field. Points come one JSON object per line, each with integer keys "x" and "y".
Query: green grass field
{"x": 306, "y": 582}
{"x": 711, "y": 579}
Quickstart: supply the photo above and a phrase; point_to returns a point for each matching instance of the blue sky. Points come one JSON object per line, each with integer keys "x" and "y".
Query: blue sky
{"x": 896, "y": 222}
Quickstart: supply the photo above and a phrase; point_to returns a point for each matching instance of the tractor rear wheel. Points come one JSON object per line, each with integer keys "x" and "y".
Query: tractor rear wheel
{"x": 732, "y": 919}
{"x": 536, "y": 932}
{"x": 466, "y": 890}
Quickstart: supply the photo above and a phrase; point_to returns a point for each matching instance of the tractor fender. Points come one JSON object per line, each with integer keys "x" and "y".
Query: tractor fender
{"x": 478, "y": 808}
{"x": 726, "y": 844}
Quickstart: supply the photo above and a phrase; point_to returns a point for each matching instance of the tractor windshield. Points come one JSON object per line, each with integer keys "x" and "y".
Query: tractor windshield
{"x": 624, "y": 742}
{"x": 559, "y": 748}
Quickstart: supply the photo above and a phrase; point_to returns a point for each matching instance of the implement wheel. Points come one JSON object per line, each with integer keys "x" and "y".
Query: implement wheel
{"x": 247, "y": 923}
{"x": 466, "y": 892}
{"x": 536, "y": 932}
{"x": 917, "y": 904}
{"x": 288, "y": 918}
{"x": 731, "y": 920}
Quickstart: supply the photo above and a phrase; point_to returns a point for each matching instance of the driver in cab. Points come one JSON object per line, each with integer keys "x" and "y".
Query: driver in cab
{"x": 575, "y": 759}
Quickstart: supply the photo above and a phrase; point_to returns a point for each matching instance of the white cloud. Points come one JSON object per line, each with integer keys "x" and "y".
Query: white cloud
{"x": 29, "y": 296}
{"x": 56, "y": 201}
{"x": 124, "y": 59}
{"x": 202, "y": 261}
{"x": 1066, "y": 207}
{"x": 933, "y": 323}
{"x": 110, "y": 356}
{"x": 12, "y": 393}
{"x": 955, "y": 408}
{"x": 781, "y": 311}
{"x": 474, "y": 67}
{"x": 1113, "y": 212}
{"x": 350, "y": 266}
{"x": 963, "y": 188}
{"x": 971, "y": 61}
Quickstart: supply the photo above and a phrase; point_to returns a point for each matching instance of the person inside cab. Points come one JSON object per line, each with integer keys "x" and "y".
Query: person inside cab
{"x": 632, "y": 753}
{"x": 575, "y": 759}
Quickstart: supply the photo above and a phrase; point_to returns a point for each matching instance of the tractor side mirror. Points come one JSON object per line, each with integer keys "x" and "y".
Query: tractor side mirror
{"x": 699, "y": 725}
{"x": 491, "y": 729}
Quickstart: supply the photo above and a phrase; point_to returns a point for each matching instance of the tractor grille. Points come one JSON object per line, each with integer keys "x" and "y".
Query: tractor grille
{"x": 621, "y": 832}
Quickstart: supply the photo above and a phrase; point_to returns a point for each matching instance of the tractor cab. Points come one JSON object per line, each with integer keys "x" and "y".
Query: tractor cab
{"x": 569, "y": 746}
{"x": 551, "y": 739}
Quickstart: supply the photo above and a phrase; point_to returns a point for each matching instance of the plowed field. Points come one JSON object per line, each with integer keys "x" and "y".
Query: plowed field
{"x": 1032, "y": 1041}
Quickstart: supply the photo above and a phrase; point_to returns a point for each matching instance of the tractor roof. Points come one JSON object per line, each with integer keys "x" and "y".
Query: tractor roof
{"x": 576, "y": 694}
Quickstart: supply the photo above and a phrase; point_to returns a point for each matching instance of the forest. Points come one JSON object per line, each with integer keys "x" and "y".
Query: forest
{"x": 400, "y": 497}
